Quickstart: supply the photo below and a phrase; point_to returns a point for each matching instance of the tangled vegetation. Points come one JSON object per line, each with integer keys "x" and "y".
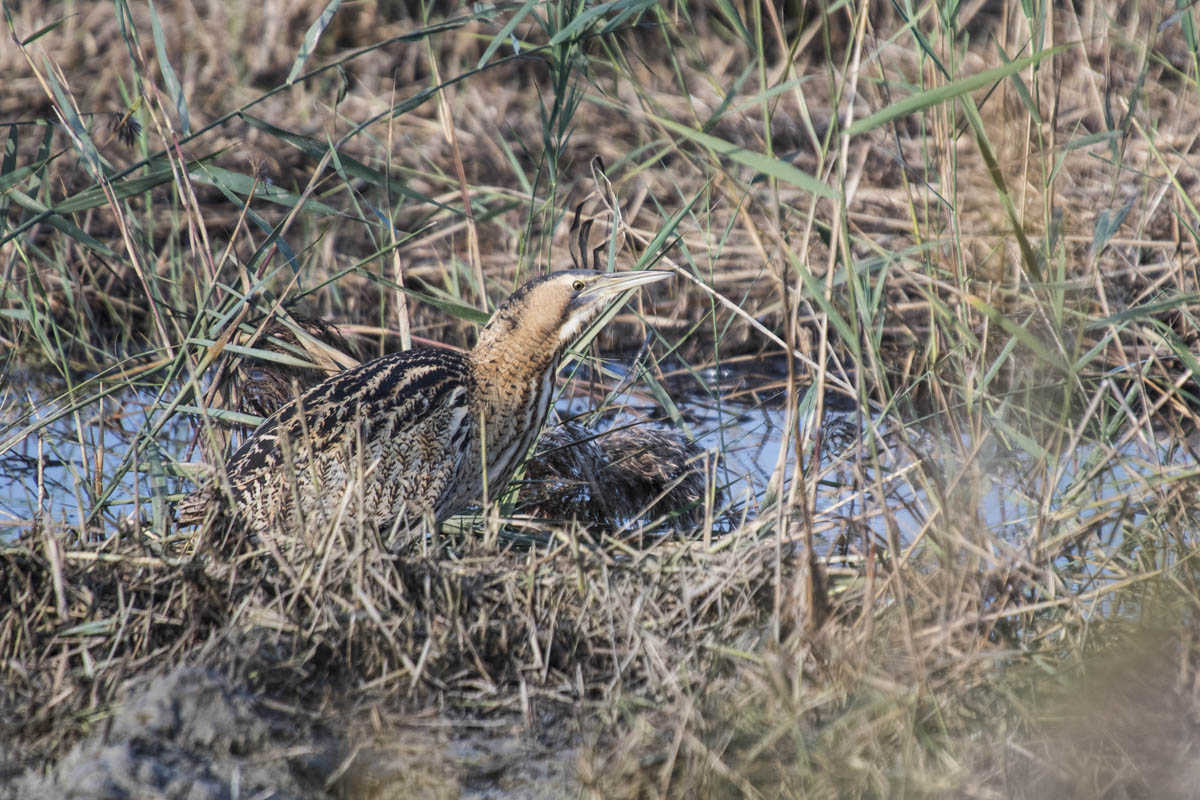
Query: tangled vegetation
{"x": 948, "y": 252}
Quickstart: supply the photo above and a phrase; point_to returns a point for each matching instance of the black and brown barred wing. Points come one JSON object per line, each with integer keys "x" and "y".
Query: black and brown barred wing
{"x": 381, "y": 440}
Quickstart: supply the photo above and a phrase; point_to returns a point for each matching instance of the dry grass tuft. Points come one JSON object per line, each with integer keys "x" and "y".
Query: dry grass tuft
{"x": 301, "y": 616}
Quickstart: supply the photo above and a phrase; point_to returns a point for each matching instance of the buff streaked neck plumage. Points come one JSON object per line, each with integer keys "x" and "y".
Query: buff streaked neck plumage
{"x": 524, "y": 338}
{"x": 521, "y": 345}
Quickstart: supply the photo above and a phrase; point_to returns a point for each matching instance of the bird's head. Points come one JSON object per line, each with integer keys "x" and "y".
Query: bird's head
{"x": 551, "y": 311}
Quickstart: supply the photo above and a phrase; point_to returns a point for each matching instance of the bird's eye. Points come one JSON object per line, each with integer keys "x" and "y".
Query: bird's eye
{"x": 578, "y": 286}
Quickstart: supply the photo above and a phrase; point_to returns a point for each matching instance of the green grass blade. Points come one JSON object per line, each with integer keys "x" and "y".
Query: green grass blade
{"x": 311, "y": 37}
{"x": 505, "y": 32}
{"x": 940, "y": 94}
{"x": 242, "y": 185}
{"x": 174, "y": 88}
{"x": 79, "y": 133}
{"x": 45, "y": 29}
{"x": 772, "y": 167}
{"x": 623, "y": 7}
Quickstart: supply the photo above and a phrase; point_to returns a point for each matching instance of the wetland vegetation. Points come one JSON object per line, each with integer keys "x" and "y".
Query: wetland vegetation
{"x": 925, "y": 383}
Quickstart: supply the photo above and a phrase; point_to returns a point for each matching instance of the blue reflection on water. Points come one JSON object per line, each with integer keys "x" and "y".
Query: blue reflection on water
{"x": 66, "y": 466}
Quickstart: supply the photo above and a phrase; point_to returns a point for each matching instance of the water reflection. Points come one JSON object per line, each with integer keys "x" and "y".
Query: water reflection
{"x": 63, "y": 455}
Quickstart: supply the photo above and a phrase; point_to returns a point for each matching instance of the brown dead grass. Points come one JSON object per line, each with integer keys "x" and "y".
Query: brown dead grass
{"x": 307, "y": 614}
{"x": 945, "y": 664}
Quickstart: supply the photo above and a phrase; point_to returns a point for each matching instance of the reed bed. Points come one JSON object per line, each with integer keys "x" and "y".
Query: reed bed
{"x": 949, "y": 251}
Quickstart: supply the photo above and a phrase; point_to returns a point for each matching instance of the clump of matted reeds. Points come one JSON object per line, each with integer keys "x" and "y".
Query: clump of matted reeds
{"x": 334, "y": 613}
{"x": 614, "y": 479}
{"x": 486, "y": 626}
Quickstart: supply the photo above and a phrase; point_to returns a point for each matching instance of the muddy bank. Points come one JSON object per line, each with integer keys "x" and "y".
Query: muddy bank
{"x": 193, "y": 734}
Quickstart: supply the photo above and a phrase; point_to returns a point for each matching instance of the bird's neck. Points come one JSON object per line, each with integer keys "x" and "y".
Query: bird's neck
{"x": 514, "y": 381}
{"x": 510, "y": 363}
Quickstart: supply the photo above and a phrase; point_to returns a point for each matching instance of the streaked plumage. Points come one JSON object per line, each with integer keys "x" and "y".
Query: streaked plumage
{"x": 401, "y": 440}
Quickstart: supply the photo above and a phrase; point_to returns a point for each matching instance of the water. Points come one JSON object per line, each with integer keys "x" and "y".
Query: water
{"x": 60, "y": 455}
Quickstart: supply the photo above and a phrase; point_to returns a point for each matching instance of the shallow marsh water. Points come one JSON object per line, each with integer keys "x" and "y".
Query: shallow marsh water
{"x": 86, "y": 453}
{"x": 60, "y": 468}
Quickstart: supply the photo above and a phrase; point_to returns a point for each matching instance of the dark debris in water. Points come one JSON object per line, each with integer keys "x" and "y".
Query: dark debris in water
{"x": 619, "y": 477}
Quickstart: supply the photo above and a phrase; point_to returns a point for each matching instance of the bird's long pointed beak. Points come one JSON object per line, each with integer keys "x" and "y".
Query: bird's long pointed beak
{"x": 614, "y": 283}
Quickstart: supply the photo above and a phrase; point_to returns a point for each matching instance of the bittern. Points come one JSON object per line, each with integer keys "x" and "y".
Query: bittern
{"x": 402, "y": 441}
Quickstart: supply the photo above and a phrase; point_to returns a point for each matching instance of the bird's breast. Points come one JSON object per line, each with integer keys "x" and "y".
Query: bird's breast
{"x": 511, "y": 419}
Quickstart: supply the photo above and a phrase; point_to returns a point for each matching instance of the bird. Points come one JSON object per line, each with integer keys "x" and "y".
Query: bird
{"x": 402, "y": 441}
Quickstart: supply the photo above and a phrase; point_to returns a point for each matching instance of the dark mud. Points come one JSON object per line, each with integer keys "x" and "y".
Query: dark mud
{"x": 193, "y": 735}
